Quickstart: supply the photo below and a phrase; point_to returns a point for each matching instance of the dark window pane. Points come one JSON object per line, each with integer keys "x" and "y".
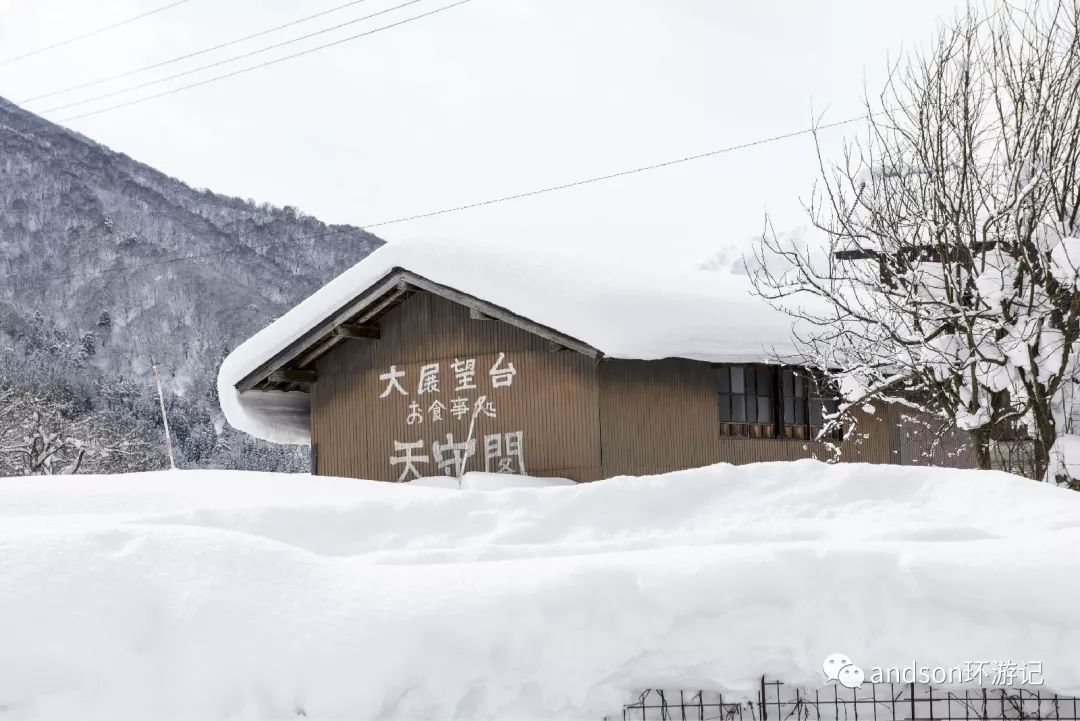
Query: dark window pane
{"x": 725, "y": 407}
{"x": 764, "y": 409}
{"x": 764, "y": 381}
{"x": 723, "y": 380}
{"x": 737, "y": 385}
{"x": 789, "y": 411}
{"x": 800, "y": 411}
{"x": 738, "y": 409}
{"x": 749, "y": 378}
{"x": 789, "y": 384}
{"x": 800, "y": 390}
{"x": 815, "y": 414}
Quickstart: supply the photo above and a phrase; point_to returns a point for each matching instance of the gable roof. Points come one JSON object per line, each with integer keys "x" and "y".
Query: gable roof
{"x": 360, "y": 315}
{"x": 602, "y": 306}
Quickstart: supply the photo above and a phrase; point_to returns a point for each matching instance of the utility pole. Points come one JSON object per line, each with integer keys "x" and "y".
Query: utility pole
{"x": 164, "y": 419}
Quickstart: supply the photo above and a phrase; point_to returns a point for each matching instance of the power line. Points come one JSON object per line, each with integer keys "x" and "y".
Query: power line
{"x": 43, "y": 124}
{"x": 619, "y": 174}
{"x": 91, "y": 33}
{"x": 479, "y": 204}
{"x": 188, "y": 56}
{"x": 46, "y": 124}
{"x": 268, "y": 63}
{"x": 226, "y": 61}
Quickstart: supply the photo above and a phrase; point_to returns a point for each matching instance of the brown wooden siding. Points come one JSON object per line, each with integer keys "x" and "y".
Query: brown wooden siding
{"x": 579, "y": 418}
{"x": 553, "y": 399}
{"x": 659, "y": 416}
{"x": 912, "y": 442}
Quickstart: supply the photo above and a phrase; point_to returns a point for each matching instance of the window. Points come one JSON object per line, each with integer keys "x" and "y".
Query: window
{"x": 747, "y": 397}
{"x": 770, "y": 402}
{"x": 804, "y": 406}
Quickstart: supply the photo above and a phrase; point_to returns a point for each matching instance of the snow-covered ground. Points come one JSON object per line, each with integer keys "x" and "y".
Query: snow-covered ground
{"x": 217, "y": 595}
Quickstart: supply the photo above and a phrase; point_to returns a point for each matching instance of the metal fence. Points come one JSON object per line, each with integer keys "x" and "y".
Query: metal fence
{"x": 776, "y": 701}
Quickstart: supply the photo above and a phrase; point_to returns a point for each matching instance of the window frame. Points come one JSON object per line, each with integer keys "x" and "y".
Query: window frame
{"x": 778, "y": 428}
{"x": 746, "y": 428}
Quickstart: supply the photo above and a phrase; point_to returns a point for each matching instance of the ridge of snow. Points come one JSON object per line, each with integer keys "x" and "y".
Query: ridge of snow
{"x": 241, "y": 595}
{"x": 624, "y": 309}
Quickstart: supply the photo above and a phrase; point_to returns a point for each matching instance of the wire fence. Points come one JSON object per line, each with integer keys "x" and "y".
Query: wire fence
{"x": 776, "y": 701}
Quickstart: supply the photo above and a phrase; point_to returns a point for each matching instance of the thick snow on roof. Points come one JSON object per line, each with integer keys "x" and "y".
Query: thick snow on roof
{"x": 624, "y": 309}
{"x": 217, "y": 595}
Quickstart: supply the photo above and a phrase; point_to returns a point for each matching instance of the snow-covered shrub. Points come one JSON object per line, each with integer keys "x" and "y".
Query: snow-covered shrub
{"x": 1064, "y": 466}
{"x": 41, "y": 433}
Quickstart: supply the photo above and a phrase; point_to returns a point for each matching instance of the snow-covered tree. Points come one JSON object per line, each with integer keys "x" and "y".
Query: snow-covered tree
{"x": 73, "y": 212}
{"x": 89, "y": 344}
{"x": 946, "y": 278}
{"x": 42, "y": 434}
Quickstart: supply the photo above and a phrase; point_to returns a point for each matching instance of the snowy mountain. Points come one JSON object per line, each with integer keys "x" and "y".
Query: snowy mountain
{"x": 72, "y": 212}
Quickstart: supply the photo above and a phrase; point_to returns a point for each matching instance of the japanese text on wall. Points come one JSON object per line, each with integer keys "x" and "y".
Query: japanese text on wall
{"x": 441, "y": 394}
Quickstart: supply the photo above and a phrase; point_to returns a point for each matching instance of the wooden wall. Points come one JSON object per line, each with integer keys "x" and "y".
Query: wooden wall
{"x": 912, "y": 442}
{"x": 579, "y": 418}
{"x": 553, "y": 398}
{"x": 659, "y": 416}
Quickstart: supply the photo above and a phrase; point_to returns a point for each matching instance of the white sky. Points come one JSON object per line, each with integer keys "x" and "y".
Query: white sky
{"x": 483, "y": 100}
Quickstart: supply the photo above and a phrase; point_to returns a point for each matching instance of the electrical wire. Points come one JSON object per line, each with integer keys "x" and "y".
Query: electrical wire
{"x": 91, "y": 33}
{"x": 268, "y": 63}
{"x": 188, "y": 56}
{"x": 413, "y": 217}
{"x": 226, "y": 61}
{"x": 468, "y": 206}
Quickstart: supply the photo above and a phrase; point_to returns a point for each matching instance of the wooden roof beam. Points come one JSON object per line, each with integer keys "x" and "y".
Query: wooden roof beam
{"x": 357, "y": 330}
{"x": 856, "y": 254}
{"x": 400, "y": 292}
{"x": 930, "y": 252}
{"x": 293, "y": 376}
{"x": 319, "y": 350}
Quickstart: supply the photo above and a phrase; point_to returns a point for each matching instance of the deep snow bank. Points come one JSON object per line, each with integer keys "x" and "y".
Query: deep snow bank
{"x": 196, "y": 595}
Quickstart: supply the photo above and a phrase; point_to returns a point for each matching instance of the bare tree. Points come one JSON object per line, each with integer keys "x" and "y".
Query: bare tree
{"x": 41, "y": 435}
{"x": 946, "y": 278}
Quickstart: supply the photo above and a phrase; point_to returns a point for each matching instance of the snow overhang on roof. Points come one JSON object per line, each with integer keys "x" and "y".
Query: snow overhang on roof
{"x": 358, "y": 318}
{"x": 596, "y": 305}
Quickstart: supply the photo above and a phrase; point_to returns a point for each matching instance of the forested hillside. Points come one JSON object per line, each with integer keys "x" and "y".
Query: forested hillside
{"x": 93, "y": 291}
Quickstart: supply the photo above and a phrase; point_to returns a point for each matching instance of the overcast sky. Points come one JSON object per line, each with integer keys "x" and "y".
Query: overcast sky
{"x": 483, "y": 100}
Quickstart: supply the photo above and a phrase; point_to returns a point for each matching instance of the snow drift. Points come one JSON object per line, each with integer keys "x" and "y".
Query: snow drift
{"x": 198, "y": 595}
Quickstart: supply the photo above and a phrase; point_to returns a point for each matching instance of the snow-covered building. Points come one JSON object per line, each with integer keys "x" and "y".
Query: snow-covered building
{"x": 431, "y": 358}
